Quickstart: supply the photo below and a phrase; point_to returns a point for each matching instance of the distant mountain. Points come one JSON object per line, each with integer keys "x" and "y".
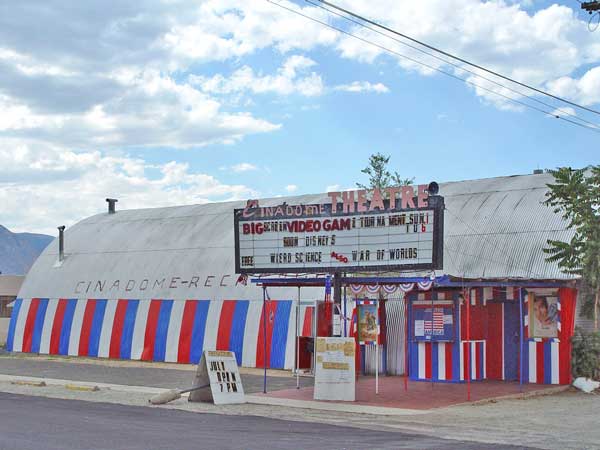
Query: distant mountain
{"x": 18, "y": 251}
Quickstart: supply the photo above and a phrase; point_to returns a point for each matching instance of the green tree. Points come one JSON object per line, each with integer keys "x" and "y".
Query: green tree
{"x": 379, "y": 175}
{"x": 575, "y": 194}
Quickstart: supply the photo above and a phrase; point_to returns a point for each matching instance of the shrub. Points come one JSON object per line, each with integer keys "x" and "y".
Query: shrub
{"x": 585, "y": 354}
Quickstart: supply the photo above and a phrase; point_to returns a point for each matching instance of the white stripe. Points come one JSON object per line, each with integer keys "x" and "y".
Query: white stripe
{"x": 441, "y": 362}
{"x": 503, "y": 367}
{"x": 473, "y": 360}
{"x": 107, "y": 324}
{"x": 76, "y": 327}
{"x": 251, "y": 334}
{"x": 139, "y": 329}
{"x": 526, "y": 320}
{"x": 173, "y": 331}
{"x": 532, "y": 362}
{"x": 20, "y": 327}
{"x": 290, "y": 347}
{"x": 462, "y": 360}
{"x": 47, "y": 327}
{"x": 421, "y": 360}
{"x": 212, "y": 324}
{"x": 484, "y": 362}
{"x": 554, "y": 365}
{"x": 510, "y": 294}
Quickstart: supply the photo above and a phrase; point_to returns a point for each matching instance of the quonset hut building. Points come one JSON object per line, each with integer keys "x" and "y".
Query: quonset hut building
{"x": 160, "y": 284}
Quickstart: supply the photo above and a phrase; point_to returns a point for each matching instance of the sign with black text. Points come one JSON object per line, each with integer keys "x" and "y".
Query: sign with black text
{"x": 395, "y": 229}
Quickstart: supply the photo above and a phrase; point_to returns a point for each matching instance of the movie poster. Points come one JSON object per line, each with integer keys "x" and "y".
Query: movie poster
{"x": 367, "y": 323}
{"x": 543, "y": 316}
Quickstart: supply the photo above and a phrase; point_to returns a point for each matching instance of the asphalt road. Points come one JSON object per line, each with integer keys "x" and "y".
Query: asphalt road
{"x": 32, "y": 423}
{"x": 132, "y": 376}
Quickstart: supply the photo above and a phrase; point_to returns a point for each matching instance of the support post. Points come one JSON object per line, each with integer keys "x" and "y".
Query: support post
{"x": 406, "y": 368}
{"x": 377, "y": 351}
{"x": 468, "y": 355}
{"x": 298, "y": 341}
{"x": 521, "y": 331}
{"x": 265, "y": 338}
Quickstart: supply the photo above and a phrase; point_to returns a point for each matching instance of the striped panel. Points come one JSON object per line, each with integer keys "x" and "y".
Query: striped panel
{"x": 86, "y": 328}
{"x": 238, "y": 327}
{"x": 139, "y": 330}
{"x": 162, "y": 330}
{"x": 198, "y": 331}
{"x": 253, "y": 323}
{"x": 212, "y": 320}
{"x": 290, "y": 347}
{"x": 21, "y": 318}
{"x": 265, "y": 333}
{"x": 29, "y": 323}
{"x": 174, "y": 331}
{"x": 47, "y": 326}
{"x": 150, "y": 331}
{"x": 185, "y": 332}
{"x": 67, "y": 323}
{"x": 76, "y": 324}
{"x": 107, "y": 326}
{"x": 96, "y": 327}
{"x": 280, "y": 334}
{"x": 38, "y": 327}
{"x": 10, "y": 339}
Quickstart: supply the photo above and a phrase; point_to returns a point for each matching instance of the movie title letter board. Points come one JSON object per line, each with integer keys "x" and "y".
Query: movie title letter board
{"x": 218, "y": 369}
{"x": 335, "y": 371}
{"x": 433, "y": 324}
{"x": 367, "y": 235}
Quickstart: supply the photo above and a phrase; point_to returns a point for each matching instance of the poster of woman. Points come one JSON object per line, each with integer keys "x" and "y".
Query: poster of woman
{"x": 543, "y": 313}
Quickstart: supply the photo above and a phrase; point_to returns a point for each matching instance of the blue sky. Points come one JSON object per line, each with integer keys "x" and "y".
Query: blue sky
{"x": 171, "y": 103}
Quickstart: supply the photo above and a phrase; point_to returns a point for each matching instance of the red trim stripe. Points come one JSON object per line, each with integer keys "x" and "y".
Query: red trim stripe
{"x": 57, "y": 326}
{"x": 428, "y": 361}
{"x": 308, "y": 317}
{"x": 117, "y": 330}
{"x": 185, "y": 335}
{"x": 29, "y": 324}
{"x": 478, "y": 357}
{"x": 539, "y": 357}
{"x": 466, "y": 360}
{"x": 86, "y": 327}
{"x": 271, "y": 309}
{"x": 225, "y": 321}
{"x": 448, "y": 350}
{"x": 150, "y": 334}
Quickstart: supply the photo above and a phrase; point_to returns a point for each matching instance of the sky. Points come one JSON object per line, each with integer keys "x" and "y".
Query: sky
{"x": 173, "y": 102}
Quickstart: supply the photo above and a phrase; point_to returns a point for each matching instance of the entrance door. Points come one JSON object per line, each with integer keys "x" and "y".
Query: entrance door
{"x": 511, "y": 340}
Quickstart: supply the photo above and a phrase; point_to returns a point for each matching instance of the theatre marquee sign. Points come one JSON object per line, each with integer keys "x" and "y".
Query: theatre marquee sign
{"x": 398, "y": 228}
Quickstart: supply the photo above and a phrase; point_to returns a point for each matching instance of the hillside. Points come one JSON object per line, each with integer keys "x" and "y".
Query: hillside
{"x": 18, "y": 251}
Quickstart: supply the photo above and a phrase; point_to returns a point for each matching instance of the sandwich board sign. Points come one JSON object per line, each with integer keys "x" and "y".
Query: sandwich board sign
{"x": 219, "y": 373}
{"x": 335, "y": 369}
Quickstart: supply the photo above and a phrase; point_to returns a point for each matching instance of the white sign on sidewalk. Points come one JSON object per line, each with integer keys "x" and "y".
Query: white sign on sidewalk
{"x": 218, "y": 371}
{"x": 335, "y": 371}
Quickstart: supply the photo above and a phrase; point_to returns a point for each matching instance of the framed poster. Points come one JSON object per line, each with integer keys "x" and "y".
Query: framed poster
{"x": 433, "y": 323}
{"x": 543, "y": 314}
{"x": 368, "y": 323}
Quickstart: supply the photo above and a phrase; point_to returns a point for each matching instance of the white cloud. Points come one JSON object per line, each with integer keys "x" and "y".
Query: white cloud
{"x": 63, "y": 187}
{"x": 291, "y": 188}
{"x": 363, "y": 86}
{"x": 243, "y": 167}
{"x": 585, "y": 90}
{"x": 291, "y": 78}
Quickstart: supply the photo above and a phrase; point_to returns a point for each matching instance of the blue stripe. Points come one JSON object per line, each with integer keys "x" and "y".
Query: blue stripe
{"x": 65, "y": 331}
{"x": 162, "y": 328}
{"x": 434, "y": 361}
{"x": 456, "y": 344}
{"x": 280, "y": 332}
{"x": 128, "y": 324}
{"x": 38, "y": 325}
{"x": 547, "y": 362}
{"x": 238, "y": 326}
{"x": 96, "y": 329}
{"x": 481, "y": 368}
{"x": 198, "y": 331}
{"x": 13, "y": 324}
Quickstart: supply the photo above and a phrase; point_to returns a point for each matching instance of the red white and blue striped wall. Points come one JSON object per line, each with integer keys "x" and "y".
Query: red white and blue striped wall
{"x": 492, "y": 348}
{"x": 159, "y": 330}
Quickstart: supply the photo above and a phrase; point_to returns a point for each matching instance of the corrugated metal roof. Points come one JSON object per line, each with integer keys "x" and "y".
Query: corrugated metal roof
{"x": 494, "y": 228}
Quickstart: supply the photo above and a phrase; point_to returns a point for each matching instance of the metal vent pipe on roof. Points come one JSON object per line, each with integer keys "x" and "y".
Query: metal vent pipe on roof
{"x": 61, "y": 243}
{"x": 111, "y": 205}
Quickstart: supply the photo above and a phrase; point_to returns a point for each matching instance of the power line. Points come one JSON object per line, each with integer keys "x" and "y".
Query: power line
{"x": 546, "y": 113}
{"x": 445, "y": 61}
{"x": 450, "y": 55}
